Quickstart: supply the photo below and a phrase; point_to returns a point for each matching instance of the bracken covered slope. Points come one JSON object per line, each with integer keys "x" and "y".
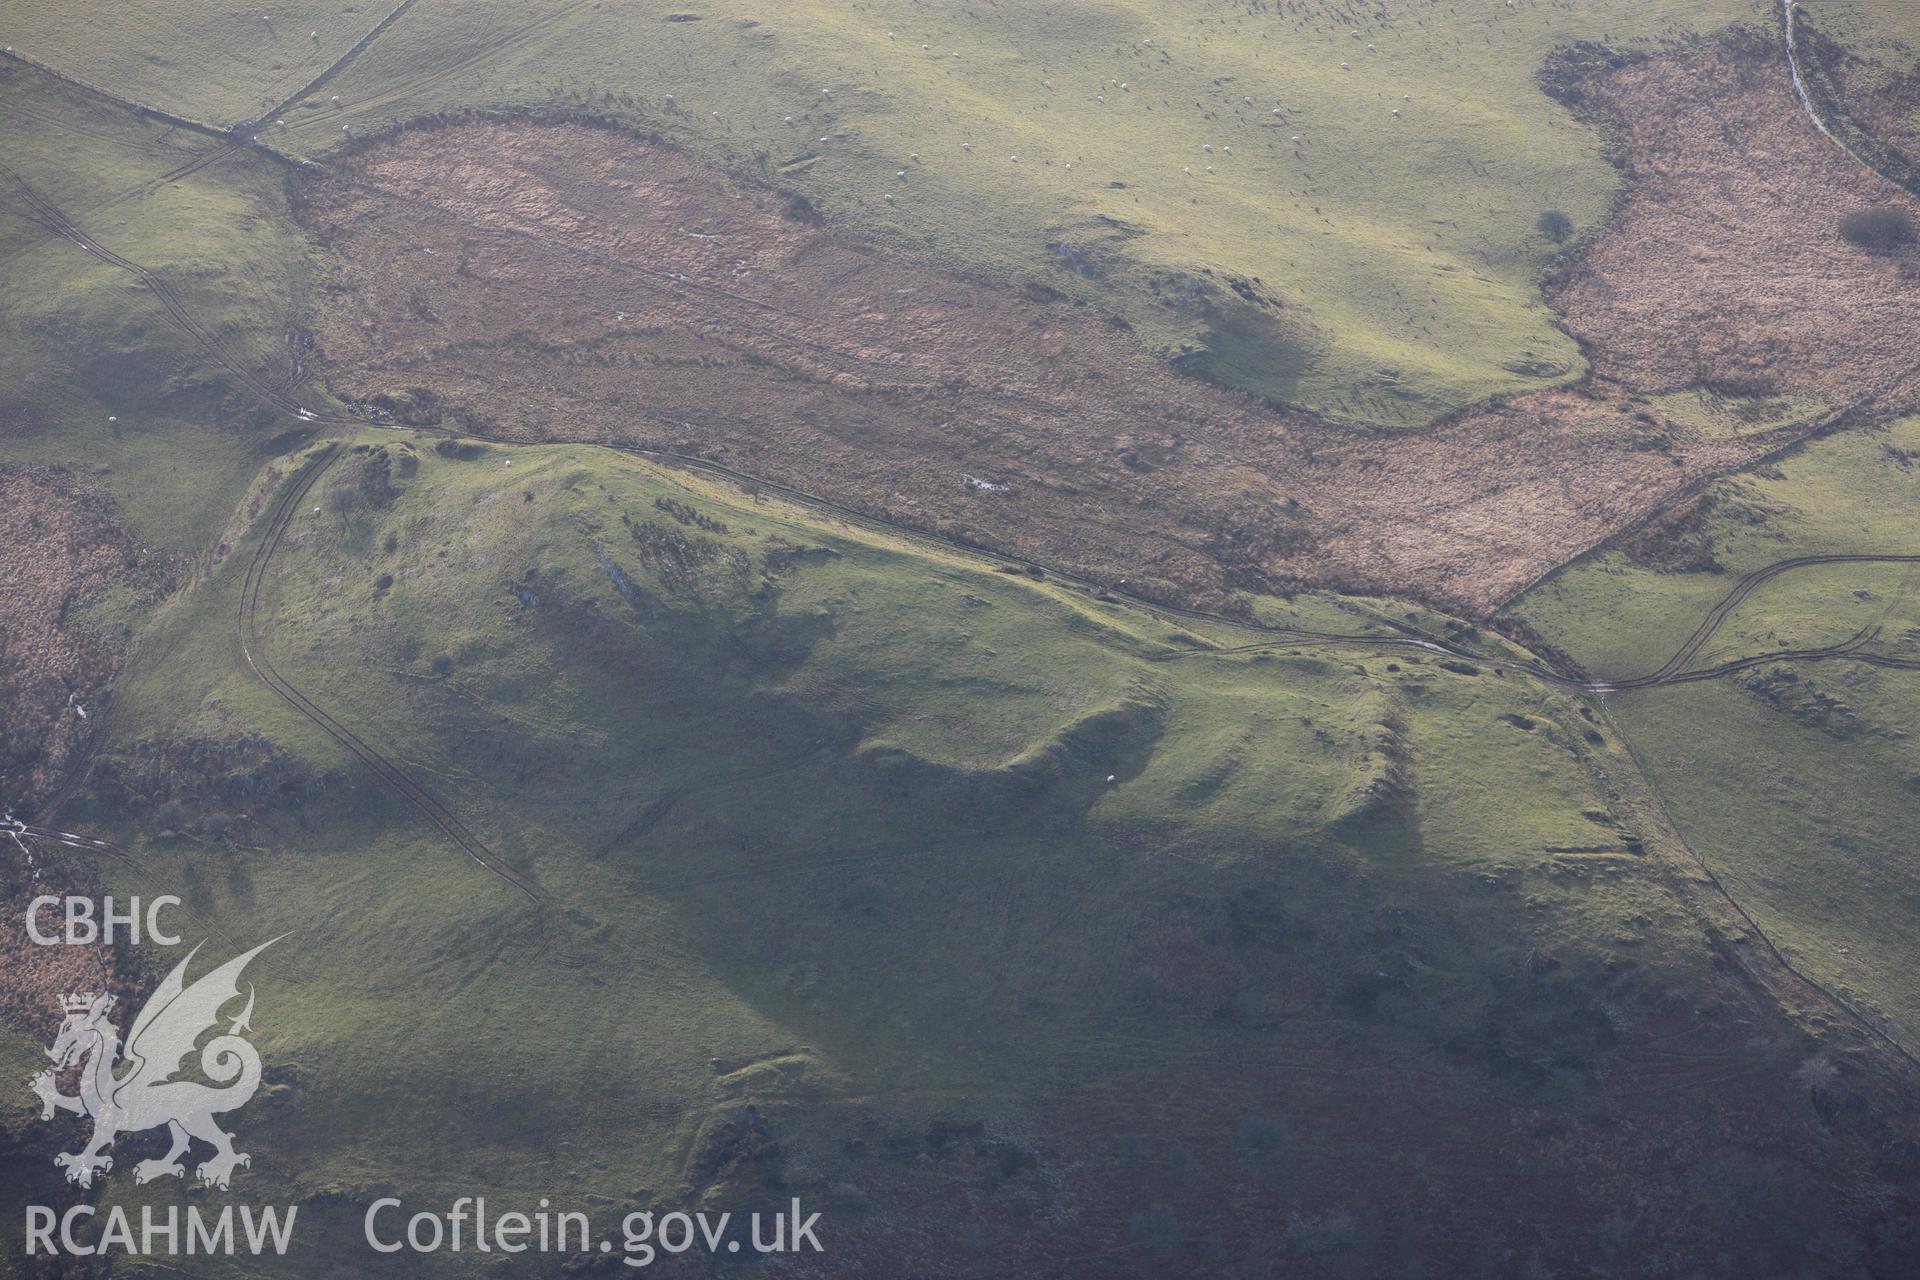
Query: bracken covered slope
{"x": 654, "y": 301}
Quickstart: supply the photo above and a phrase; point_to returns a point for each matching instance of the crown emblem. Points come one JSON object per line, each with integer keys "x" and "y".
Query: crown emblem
{"x": 79, "y": 1002}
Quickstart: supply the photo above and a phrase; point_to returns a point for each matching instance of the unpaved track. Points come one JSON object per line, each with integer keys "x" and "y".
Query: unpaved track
{"x": 339, "y": 64}
{"x": 1768, "y": 966}
{"x": 555, "y": 935}
{"x": 1733, "y": 599}
{"x": 54, "y": 219}
{"x": 273, "y": 396}
{"x": 407, "y": 88}
{"x": 1788, "y": 9}
{"x": 1671, "y": 672}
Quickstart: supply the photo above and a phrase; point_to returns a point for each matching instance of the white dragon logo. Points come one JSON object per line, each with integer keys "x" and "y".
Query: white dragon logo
{"x": 146, "y": 1097}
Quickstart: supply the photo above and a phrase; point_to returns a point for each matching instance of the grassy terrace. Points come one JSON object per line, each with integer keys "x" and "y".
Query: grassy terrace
{"x": 1395, "y": 258}
{"x": 819, "y": 816}
{"x": 1795, "y": 781}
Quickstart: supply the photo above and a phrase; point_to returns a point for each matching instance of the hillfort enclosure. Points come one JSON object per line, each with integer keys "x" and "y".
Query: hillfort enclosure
{"x": 1079, "y": 640}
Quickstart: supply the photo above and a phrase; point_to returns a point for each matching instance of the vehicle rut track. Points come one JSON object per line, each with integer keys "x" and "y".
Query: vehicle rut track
{"x": 395, "y": 778}
{"x": 1747, "y": 585}
{"x": 408, "y": 88}
{"x": 1408, "y": 637}
{"x": 339, "y": 64}
{"x": 54, "y": 219}
{"x": 1669, "y": 672}
{"x": 1767, "y": 962}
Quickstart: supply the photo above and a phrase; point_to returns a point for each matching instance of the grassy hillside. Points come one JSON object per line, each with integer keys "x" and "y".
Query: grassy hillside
{"x": 997, "y": 918}
{"x": 93, "y": 373}
{"x": 1387, "y": 265}
{"x": 205, "y": 61}
{"x": 1802, "y": 792}
{"x": 1882, "y": 31}
{"x": 886, "y": 842}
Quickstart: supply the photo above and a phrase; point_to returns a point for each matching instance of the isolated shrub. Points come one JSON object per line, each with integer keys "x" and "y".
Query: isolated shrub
{"x": 363, "y": 480}
{"x": 1878, "y": 229}
{"x": 171, "y": 816}
{"x": 217, "y": 824}
{"x": 1554, "y": 225}
{"x": 799, "y": 209}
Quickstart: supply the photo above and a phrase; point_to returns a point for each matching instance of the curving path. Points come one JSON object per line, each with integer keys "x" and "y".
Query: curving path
{"x": 389, "y": 773}
{"x": 1670, "y": 672}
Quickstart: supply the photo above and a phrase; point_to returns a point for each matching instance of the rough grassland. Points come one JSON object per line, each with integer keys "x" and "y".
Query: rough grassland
{"x": 1796, "y": 782}
{"x": 1716, "y": 144}
{"x": 624, "y": 292}
{"x": 1884, "y": 32}
{"x": 999, "y": 919}
{"x": 93, "y": 375}
{"x": 205, "y": 61}
{"x": 820, "y": 821}
{"x": 1401, "y": 251}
